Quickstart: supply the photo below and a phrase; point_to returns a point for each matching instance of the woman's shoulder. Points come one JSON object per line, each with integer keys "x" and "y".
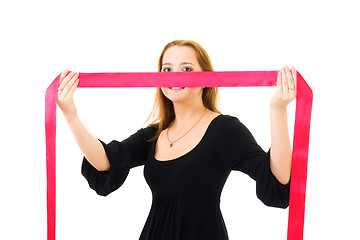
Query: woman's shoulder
{"x": 226, "y": 123}
{"x": 226, "y": 119}
{"x": 150, "y": 130}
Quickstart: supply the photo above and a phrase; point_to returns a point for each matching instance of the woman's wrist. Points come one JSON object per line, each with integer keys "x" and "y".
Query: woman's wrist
{"x": 71, "y": 119}
{"x": 278, "y": 108}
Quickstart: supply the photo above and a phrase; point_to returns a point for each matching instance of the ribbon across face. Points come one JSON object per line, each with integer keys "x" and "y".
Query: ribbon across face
{"x": 194, "y": 79}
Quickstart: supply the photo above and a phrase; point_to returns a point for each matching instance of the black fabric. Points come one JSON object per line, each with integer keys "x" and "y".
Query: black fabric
{"x": 186, "y": 190}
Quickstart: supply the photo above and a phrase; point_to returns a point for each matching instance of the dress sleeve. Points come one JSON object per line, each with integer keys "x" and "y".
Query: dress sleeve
{"x": 245, "y": 155}
{"x": 122, "y": 156}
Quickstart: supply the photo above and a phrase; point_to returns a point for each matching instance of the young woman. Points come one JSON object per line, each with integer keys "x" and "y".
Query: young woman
{"x": 188, "y": 151}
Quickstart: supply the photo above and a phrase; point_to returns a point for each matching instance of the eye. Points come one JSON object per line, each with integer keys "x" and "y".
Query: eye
{"x": 187, "y": 69}
{"x": 166, "y": 70}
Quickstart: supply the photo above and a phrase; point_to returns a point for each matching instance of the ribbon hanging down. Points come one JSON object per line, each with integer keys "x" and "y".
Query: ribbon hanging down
{"x": 194, "y": 79}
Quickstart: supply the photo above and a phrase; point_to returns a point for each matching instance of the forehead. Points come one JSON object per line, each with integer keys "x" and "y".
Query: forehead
{"x": 178, "y": 54}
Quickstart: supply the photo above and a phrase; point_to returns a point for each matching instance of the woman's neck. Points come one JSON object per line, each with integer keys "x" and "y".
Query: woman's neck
{"x": 186, "y": 115}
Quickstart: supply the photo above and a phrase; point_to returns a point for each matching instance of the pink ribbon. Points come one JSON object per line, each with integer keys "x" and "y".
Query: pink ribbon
{"x": 194, "y": 79}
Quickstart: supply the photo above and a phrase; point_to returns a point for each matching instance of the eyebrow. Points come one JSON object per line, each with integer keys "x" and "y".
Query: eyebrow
{"x": 181, "y": 63}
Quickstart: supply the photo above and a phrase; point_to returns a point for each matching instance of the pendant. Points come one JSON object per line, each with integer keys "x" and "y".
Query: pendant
{"x": 171, "y": 144}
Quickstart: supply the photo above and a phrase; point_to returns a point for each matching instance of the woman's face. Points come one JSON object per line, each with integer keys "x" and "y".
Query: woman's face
{"x": 181, "y": 59}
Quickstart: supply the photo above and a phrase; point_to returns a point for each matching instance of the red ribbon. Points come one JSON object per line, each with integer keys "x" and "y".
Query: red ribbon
{"x": 194, "y": 79}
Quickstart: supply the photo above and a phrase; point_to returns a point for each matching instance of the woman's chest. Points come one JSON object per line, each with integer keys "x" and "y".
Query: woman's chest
{"x": 167, "y": 149}
{"x": 199, "y": 170}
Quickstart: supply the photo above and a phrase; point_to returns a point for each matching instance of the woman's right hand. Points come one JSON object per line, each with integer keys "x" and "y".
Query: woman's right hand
{"x": 67, "y": 86}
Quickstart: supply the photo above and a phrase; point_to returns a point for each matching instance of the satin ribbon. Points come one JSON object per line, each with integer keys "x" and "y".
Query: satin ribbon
{"x": 194, "y": 79}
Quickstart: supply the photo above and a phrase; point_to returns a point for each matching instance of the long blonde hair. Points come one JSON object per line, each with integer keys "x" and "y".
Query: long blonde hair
{"x": 163, "y": 108}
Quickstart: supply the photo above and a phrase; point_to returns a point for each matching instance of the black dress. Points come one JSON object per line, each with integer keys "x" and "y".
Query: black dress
{"x": 186, "y": 190}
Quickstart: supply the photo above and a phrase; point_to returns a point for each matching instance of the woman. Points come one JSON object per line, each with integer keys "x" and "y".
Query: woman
{"x": 189, "y": 151}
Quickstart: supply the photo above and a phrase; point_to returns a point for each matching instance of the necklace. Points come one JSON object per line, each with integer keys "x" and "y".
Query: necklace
{"x": 172, "y": 142}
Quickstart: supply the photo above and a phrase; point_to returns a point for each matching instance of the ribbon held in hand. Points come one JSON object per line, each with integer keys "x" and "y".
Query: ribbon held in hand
{"x": 304, "y": 98}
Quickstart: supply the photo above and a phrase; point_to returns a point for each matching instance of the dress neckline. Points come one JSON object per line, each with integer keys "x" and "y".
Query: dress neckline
{"x": 187, "y": 153}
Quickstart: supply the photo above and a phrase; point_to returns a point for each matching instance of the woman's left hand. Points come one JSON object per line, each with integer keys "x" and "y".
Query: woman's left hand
{"x": 286, "y": 88}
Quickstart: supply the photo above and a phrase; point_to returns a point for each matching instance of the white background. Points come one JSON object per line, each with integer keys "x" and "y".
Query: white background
{"x": 41, "y": 38}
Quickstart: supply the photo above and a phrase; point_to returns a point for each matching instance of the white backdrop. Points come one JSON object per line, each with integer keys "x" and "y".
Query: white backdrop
{"x": 41, "y": 38}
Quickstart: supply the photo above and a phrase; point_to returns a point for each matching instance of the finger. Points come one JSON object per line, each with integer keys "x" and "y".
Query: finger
{"x": 63, "y": 91}
{"x": 73, "y": 88}
{"x": 74, "y": 83}
{"x": 294, "y": 74}
{"x": 278, "y": 83}
{"x": 285, "y": 85}
{"x": 63, "y": 81}
{"x": 67, "y": 79}
{"x": 69, "y": 85}
{"x": 290, "y": 79}
{"x": 63, "y": 74}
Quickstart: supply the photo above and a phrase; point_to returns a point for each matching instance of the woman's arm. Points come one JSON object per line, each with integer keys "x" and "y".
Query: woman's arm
{"x": 280, "y": 153}
{"x": 89, "y": 145}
